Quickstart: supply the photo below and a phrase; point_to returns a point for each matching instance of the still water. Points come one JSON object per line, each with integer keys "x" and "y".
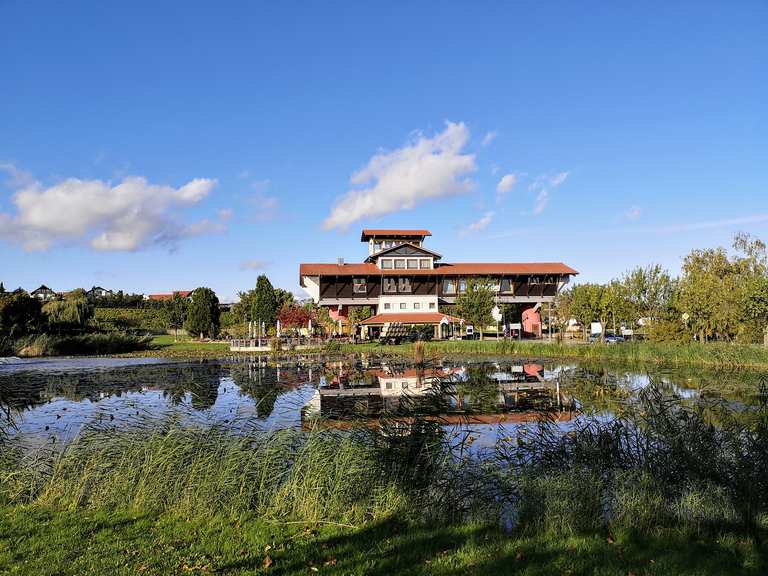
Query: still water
{"x": 50, "y": 401}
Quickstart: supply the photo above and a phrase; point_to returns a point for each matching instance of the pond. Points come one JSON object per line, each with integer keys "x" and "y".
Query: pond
{"x": 51, "y": 400}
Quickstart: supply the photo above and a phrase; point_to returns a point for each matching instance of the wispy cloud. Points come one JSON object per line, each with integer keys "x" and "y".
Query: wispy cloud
{"x": 543, "y": 187}
{"x": 505, "y": 185}
{"x": 253, "y": 265}
{"x": 129, "y": 216}
{"x": 488, "y": 138}
{"x": 423, "y": 169}
{"x": 712, "y": 224}
{"x": 633, "y": 213}
{"x": 478, "y": 225}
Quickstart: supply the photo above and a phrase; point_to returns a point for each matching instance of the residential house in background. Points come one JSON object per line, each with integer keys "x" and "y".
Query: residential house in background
{"x": 98, "y": 292}
{"x": 186, "y": 294}
{"x": 44, "y": 293}
{"x": 406, "y": 283}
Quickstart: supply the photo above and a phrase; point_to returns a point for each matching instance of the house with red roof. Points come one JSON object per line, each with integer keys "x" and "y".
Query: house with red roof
{"x": 406, "y": 283}
{"x": 186, "y": 294}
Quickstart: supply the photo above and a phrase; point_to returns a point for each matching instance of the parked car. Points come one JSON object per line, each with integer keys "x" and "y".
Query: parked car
{"x": 609, "y": 338}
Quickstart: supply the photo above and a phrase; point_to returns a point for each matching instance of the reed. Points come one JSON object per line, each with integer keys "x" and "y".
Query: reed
{"x": 664, "y": 463}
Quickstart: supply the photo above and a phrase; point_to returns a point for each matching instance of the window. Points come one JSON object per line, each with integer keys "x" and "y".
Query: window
{"x": 386, "y": 264}
{"x": 462, "y": 285}
{"x": 424, "y": 263}
{"x": 387, "y": 306}
{"x": 389, "y": 385}
{"x": 416, "y": 306}
{"x": 359, "y": 286}
{"x": 399, "y": 264}
{"x": 390, "y": 285}
{"x": 431, "y": 305}
{"x": 506, "y": 285}
{"x": 402, "y": 305}
{"x": 413, "y": 264}
{"x": 404, "y": 385}
{"x": 376, "y": 246}
{"x": 387, "y": 244}
{"x": 405, "y": 285}
{"x": 449, "y": 286}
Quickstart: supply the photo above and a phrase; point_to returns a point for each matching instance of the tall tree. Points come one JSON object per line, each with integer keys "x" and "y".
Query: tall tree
{"x": 649, "y": 292}
{"x": 20, "y": 314}
{"x": 73, "y": 312}
{"x": 203, "y": 313}
{"x": 177, "y": 314}
{"x": 476, "y": 303}
{"x": 264, "y": 304}
{"x": 282, "y": 298}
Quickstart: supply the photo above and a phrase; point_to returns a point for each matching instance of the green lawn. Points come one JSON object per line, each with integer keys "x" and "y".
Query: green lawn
{"x": 39, "y": 542}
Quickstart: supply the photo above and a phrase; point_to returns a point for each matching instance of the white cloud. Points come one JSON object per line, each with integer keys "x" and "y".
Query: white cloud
{"x": 633, "y": 213}
{"x": 488, "y": 138}
{"x": 477, "y": 226}
{"x": 16, "y": 178}
{"x": 125, "y": 217}
{"x": 253, "y": 264}
{"x": 543, "y": 186}
{"x": 399, "y": 180}
{"x": 265, "y": 207}
{"x": 506, "y": 184}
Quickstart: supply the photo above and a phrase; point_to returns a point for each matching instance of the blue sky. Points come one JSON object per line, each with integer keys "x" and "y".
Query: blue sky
{"x": 157, "y": 146}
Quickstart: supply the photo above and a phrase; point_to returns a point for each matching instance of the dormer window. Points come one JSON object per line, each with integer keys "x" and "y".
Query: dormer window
{"x": 385, "y": 263}
{"x": 425, "y": 263}
{"x": 413, "y": 264}
{"x": 399, "y": 264}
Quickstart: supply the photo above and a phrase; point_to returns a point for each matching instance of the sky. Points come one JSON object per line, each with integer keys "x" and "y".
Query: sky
{"x": 159, "y": 146}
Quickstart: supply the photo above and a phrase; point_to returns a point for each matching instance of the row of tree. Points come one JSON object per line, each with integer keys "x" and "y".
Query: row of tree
{"x": 719, "y": 295}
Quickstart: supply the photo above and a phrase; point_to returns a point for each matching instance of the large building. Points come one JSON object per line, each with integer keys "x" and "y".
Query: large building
{"x": 406, "y": 283}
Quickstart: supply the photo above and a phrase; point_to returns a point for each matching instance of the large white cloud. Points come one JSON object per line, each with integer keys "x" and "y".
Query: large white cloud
{"x": 131, "y": 215}
{"x": 399, "y": 180}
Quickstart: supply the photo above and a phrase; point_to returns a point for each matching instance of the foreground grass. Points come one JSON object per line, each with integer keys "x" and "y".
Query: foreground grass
{"x": 711, "y": 355}
{"x": 39, "y": 541}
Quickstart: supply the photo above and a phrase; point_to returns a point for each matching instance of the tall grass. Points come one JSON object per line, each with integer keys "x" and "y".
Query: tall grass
{"x": 82, "y": 344}
{"x": 715, "y": 354}
{"x": 663, "y": 464}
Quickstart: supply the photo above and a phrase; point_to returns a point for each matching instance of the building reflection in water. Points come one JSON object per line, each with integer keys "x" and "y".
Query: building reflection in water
{"x": 499, "y": 395}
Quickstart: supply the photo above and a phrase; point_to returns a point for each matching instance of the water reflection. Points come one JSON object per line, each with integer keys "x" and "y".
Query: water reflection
{"x": 53, "y": 400}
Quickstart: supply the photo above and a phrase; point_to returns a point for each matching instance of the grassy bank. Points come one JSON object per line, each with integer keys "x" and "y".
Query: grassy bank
{"x": 37, "y": 541}
{"x": 711, "y": 355}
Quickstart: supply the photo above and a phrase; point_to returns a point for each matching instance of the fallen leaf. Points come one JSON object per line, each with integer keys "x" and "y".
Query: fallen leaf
{"x": 267, "y": 561}
{"x": 331, "y": 562}
{"x": 519, "y": 556}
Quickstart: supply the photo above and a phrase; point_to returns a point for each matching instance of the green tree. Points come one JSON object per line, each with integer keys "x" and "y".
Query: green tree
{"x": 357, "y": 314}
{"x": 73, "y": 312}
{"x": 203, "y": 313}
{"x": 264, "y": 304}
{"x": 20, "y": 314}
{"x": 649, "y": 292}
{"x": 475, "y": 304}
{"x": 282, "y": 298}
{"x": 177, "y": 314}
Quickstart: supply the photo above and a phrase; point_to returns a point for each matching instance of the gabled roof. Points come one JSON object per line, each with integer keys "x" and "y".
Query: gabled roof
{"x": 42, "y": 288}
{"x": 418, "y": 249}
{"x": 457, "y": 269}
{"x": 392, "y": 233}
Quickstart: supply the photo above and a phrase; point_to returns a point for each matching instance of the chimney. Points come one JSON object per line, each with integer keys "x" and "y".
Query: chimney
{"x": 340, "y": 261}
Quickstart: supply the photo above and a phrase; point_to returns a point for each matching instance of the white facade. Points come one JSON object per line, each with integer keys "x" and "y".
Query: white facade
{"x": 399, "y": 303}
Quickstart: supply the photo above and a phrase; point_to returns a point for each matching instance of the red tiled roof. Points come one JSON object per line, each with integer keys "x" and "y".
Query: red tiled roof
{"x": 410, "y": 318}
{"x": 468, "y": 268}
{"x": 393, "y": 233}
{"x": 170, "y": 295}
